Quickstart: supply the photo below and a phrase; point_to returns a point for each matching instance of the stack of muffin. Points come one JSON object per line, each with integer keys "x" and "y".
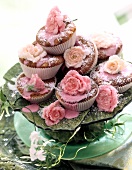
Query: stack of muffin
{"x": 66, "y": 65}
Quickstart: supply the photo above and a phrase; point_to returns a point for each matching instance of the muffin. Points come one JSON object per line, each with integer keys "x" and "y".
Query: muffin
{"x": 115, "y": 71}
{"x": 76, "y": 92}
{"x": 35, "y": 60}
{"x": 107, "y": 44}
{"x": 82, "y": 57}
{"x": 34, "y": 89}
{"x": 58, "y": 34}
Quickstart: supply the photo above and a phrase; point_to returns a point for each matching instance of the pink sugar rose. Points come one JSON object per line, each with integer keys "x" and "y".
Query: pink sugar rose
{"x": 107, "y": 98}
{"x": 74, "y": 56}
{"x": 35, "y": 83}
{"x": 74, "y": 83}
{"x": 55, "y": 21}
{"x": 53, "y": 113}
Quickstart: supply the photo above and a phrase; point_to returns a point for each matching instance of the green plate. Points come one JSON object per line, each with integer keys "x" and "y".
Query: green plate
{"x": 104, "y": 145}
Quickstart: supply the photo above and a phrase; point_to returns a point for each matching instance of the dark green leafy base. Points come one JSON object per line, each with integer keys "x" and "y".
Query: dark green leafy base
{"x": 86, "y": 133}
{"x": 85, "y": 120}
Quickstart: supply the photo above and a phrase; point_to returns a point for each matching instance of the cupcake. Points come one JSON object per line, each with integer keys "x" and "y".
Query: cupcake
{"x": 34, "y": 89}
{"x": 115, "y": 71}
{"x": 76, "y": 92}
{"x": 82, "y": 57}
{"x": 58, "y": 34}
{"x": 107, "y": 44}
{"x": 35, "y": 60}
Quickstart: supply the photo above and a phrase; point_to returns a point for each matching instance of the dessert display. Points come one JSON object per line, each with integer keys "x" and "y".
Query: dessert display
{"x": 114, "y": 71}
{"x": 35, "y": 60}
{"x": 58, "y": 34}
{"x": 65, "y": 94}
{"x": 86, "y": 86}
{"x": 107, "y": 44}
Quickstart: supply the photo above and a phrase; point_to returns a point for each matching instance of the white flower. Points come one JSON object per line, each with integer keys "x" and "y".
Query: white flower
{"x": 35, "y": 151}
{"x": 35, "y": 137}
{"x": 40, "y": 155}
{"x": 32, "y": 152}
{"x": 36, "y": 154}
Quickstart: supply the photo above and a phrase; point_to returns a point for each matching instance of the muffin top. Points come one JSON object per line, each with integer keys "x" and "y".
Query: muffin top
{"x": 57, "y": 30}
{"x": 33, "y": 55}
{"x": 107, "y": 44}
{"x": 115, "y": 71}
{"x": 34, "y": 86}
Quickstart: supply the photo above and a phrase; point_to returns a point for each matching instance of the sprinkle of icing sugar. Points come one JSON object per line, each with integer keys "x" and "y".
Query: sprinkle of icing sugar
{"x": 48, "y": 59}
{"x": 44, "y": 36}
{"x": 51, "y": 85}
{"x": 88, "y": 50}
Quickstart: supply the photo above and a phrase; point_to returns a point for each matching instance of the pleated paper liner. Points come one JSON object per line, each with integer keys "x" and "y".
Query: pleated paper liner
{"x": 43, "y": 73}
{"x": 124, "y": 88}
{"x": 60, "y": 49}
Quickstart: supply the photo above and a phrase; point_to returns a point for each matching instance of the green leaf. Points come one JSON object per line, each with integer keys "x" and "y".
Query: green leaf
{"x": 65, "y": 124}
{"x": 13, "y": 72}
{"x": 2, "y": 97}
{"x": 11, "y": 96}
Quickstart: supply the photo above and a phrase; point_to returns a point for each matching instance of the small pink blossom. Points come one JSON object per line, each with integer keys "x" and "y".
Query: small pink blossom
{"x": 53, "y": 113}
{"x": 114, "y": 65}
{"x": 35, "y": 137}
{"x": 36, "y": 83}
{"x": 74, "y": 56}
{"x": 40, "y": 155}
{"x": 74, "y": 83}
{"x": 35, "y": 151}
{"x": 107, "y": 98}
{"x": 32, "y": 152}
{"x": 55, "y": 21}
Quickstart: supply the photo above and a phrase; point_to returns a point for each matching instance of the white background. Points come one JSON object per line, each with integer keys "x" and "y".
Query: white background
{"x": 21, "y": 19}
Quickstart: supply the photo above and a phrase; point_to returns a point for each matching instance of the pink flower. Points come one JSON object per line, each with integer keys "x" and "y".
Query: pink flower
{"x": 32, "y": 52}
{"x": 55, "y": 21}
{"x": 114, "y": 65}
{"x": 107, "y": 98}
{"x": 35, "y": 83}
{"x": 40, "y": 154}
{"x": 74, "y": 56}
{"x": 32, "y": 152}
{"x": 35, "y": 137}
{"x": 74, "y": 83}
{"x": 53, "y": 113}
